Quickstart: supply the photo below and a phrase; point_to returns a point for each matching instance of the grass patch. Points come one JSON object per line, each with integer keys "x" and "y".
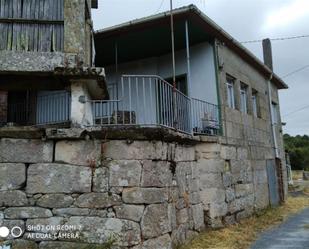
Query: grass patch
{"x": 241, "y": 236}
{"x": 297, "y": 174}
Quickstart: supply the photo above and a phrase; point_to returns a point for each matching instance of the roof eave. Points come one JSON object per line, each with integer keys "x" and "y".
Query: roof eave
{"x": 220, "y": 34}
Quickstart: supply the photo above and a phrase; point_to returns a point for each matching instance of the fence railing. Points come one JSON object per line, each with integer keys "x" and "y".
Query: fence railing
{"x": 48, "y": 107}
{"x": 149, "y": 100}
{"x": 144, "y": 100}
{"x": 53, "y": 108}
{"x": 205, "y": 117}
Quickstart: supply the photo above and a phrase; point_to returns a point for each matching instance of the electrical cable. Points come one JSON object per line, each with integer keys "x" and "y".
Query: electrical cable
{"x": 297, "y": 110}
{"x": 296, "y": 71}
{"x": 278, "y": 39}
{"x": 160, "y": 6}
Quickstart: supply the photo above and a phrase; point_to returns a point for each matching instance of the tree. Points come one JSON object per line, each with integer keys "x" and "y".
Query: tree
{"x": 298, "y": 149}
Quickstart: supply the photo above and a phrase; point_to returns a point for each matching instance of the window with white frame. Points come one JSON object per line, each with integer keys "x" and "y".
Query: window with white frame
{"x": 274, "y": 113}
{"x": 230, "y": 92}
{"x": 254, "y": 98}
{"x": 244, "y": 98}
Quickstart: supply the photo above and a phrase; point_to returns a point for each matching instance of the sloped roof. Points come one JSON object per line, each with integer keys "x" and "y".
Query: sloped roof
{"x": 151, "y": 35}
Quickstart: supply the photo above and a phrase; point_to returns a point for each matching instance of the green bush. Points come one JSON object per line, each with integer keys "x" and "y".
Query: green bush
{"x": 298, "y": 149}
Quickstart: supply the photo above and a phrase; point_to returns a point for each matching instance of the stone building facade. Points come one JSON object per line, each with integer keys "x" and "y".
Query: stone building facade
{"x": 131, "y": 193}
{"x": 82, "y": 185}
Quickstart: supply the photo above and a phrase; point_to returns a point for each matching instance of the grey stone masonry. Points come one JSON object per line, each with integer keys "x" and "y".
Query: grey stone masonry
{"x": 133, "y": 194}
{"x": 25, "y": 151}
{"x": 12, "y": 176}
{"x": 58, "y": 178}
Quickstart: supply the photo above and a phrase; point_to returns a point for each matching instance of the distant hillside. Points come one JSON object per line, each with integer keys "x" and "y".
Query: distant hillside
{"x": 298, "y": 148}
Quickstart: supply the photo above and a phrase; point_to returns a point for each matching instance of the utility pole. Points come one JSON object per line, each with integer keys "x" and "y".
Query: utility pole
{"x": 174, "y": 65}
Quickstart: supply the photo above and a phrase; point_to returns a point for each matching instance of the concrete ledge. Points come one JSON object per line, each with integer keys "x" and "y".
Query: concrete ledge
{"x": 111, "y": 133}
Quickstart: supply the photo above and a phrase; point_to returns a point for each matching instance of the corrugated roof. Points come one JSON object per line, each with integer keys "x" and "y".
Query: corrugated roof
{"x": 199, "y": 18}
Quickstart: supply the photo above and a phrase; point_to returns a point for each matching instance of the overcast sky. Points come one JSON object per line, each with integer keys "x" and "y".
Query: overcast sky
{"x": 245, "y": 20}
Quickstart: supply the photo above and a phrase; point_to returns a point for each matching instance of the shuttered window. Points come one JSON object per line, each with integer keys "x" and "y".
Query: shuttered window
{"x": 32, "y": 25}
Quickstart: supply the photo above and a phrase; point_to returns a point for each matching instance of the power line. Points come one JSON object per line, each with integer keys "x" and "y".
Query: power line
{"x": 296, "y": 71}
{"x": 278, "y": 39}
{"x": 297, "y": 110}
{"x": 161, "y": 4}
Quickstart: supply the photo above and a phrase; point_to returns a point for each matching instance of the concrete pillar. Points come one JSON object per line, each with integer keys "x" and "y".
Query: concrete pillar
{"x": 81, "y": 111}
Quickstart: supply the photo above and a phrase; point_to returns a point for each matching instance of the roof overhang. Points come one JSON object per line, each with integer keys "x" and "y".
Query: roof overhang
{"x": 150, "y": 36}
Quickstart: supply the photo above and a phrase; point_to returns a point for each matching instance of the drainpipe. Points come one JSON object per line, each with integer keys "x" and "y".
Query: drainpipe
{"x": 273, "y": 126}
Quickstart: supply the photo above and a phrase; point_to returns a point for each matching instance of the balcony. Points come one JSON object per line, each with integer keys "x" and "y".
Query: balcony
{"x": 150, "y": 101}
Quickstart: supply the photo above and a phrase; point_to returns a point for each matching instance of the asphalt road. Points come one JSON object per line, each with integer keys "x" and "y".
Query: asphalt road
{"x": 292, "y": 234}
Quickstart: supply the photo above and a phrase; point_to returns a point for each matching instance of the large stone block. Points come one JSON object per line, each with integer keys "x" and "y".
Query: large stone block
{"x": 58, "y": 178}
{"x": 217, "y": 209}
{"x": 156, "y": 174}
{"x": 25, "y": 151}
{"x": 100, "y": 180}
{"x": 85, "y": 152}
{"x": 261, "y": 196}
{"x": 241, "y": 204}
{"x": 12, "y": 176}
{"x": 156, "y": 221}
{"x": 55, "y": 201}
{"x": 242, "y": 153}
{"x": 11, "y": 224}
{"x": 229, "y": 194}
{"x": 211, "y": 181}
{"x": 68, "y": 212}
{"x": 144, "y": 195}
{"x": 162, "y": 242}
{"x": 184, "y": 175}
{"x": 138, "y": 150}
{"x": 208, "y": 151}
{"x": 182, "y": 216}
{"x": 27, "y": 213}
{"x": 198, "y": 217}
{"x": 100, "y": 230}
{"x": 66, "y": 245}
{"x": 98, "y": 200}
{"x": 124, "y": 173}
{"x": 44, "y": 225}
{"x": 129, "y": 212}
{"x": 184, "y": 153}
{"x": 210, "y": 166}
{"x": 228, "y": 152}
{"x": 210, "y": 195}
{"x": 13, "y": 198}
{"x": 243, "y": 189}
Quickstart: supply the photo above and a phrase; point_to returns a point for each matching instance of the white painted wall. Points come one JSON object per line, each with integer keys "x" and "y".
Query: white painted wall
{"x": 203, "y": 80}
{"x": 203, "y": 76}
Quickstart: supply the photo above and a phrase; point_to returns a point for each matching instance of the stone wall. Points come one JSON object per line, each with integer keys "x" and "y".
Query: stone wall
{"x": 131, "y": 193}
{"x": 244, "y": 130}
{"x": 139, "y": 194}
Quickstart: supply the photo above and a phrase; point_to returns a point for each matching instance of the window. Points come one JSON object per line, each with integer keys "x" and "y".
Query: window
{"x": 254, "y": 98}
{"x": 243, "y": 98}
{"x": 230, "y": 92}
{"x": 274, "y": 113}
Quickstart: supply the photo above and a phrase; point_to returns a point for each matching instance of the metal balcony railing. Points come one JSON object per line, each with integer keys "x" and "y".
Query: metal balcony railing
{"x": 52, "y": 107}
{"x": 205, "y": 117}
{"x": 149, "y": 100}
{"x": 146, "y": 101}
